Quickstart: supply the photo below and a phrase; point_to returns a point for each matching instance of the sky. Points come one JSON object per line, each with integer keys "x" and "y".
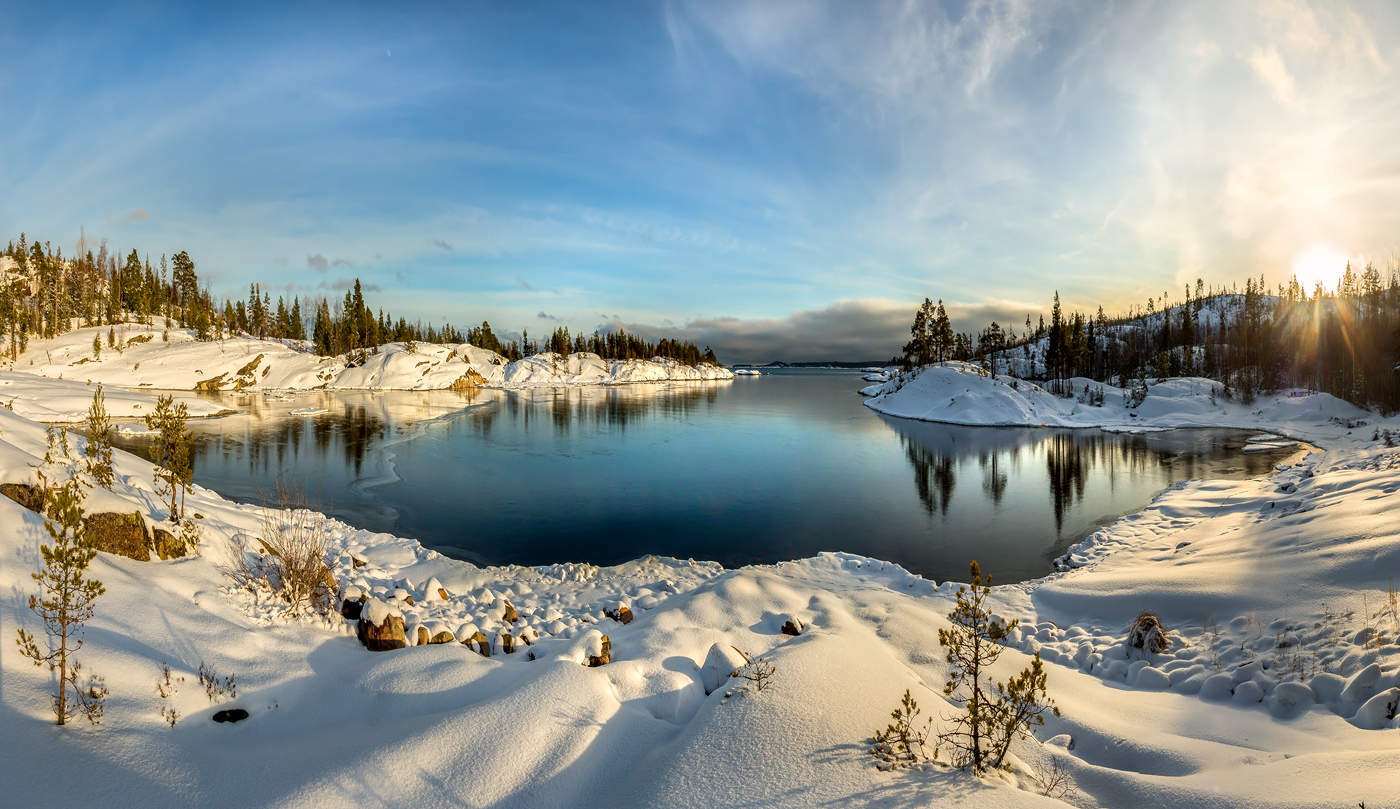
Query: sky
{"x": 781, "y": 180}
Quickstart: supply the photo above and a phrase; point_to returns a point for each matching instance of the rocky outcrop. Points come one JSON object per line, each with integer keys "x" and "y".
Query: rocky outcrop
{"x": 121, "y": 534}
{"x": 471, "y": 379}
{"x": 26, "y": 494}
{"x": 167, "y": 546}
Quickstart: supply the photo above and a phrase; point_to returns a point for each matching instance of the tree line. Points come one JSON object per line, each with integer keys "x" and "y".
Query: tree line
{"x": 1343, "y": 341}
{"x": 51, "y": 294}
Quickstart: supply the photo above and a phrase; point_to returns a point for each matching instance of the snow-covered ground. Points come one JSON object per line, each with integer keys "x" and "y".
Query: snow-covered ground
{"x": 140, "y": 356}
{"x": 1277, "y": 688}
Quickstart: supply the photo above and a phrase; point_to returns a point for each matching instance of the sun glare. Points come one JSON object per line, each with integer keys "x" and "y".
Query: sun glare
{"x": 1319, "y": 264}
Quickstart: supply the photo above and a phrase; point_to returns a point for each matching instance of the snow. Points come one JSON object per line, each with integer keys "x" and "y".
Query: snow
{"x": 66, "y": 401}
{"x": 173, "y": 359}
{"x": 961, "y": 393}
{"x": 1277, "y": 687}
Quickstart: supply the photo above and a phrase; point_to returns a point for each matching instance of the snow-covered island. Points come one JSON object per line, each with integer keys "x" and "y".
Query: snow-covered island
{"x": 577, "y": 685}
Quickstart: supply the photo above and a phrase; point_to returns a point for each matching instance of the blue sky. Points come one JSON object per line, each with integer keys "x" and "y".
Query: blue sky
{"x": 780, "y": 179}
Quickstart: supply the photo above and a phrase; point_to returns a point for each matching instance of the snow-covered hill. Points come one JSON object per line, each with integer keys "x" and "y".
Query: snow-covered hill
{"x": 173, "y": 359}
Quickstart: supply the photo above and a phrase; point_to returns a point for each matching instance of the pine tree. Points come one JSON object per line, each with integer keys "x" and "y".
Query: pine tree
{"x": 64, "y": 604}
{"x": 981, "y": 735}
{"x": 171, "y": 453}
{"x": 99, "y": 443}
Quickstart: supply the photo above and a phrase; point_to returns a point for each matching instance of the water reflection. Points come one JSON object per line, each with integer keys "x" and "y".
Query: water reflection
{"x": 1072, "y": 458}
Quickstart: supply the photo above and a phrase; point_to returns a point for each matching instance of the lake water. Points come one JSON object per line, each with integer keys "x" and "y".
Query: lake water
{"x": 759, "y": 469}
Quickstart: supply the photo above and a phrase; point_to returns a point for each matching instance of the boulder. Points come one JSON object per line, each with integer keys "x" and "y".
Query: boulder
{"x": 121, "y": 534}
{"x": 510, "y": 616}
{"x": 507, "y": 643}
{"x": 356, "y": 562}
{"x": 720, "y": 664}
{"x": 437, "y": 633}
{"x": 423, "y": 636}
{"x": 26, "y": 494}
{"x": 381, "y": 627}
{"x": 167, "y": 546}
{"x": 478, "y": 643}
{"x": 600, "y": 651}
{"x": 351, "y": 608}
{"x": 792, "y": 626}
{"x": 623, "y": 614}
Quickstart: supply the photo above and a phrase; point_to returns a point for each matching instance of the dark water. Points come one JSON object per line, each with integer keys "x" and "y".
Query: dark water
{"x": 754, "y": 470}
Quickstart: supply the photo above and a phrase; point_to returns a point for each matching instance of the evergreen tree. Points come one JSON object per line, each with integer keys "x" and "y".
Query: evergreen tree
{"x": 64, "y": 604}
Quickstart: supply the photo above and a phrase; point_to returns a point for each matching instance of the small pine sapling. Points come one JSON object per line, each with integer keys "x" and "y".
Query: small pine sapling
{"x": 903, "y": 741}
{"x": 171, "y": 453}
{"x": 982, "y": 734}
{"x": 64, "y": 604}
{"x": 99, "y": 443}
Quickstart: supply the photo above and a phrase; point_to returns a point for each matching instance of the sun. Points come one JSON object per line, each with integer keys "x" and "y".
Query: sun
{"x": 1320, "y": 264}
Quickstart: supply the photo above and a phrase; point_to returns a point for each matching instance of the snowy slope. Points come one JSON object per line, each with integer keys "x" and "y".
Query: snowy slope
{"x": 173, "y": 359}
{"x": 1274, "y": 591}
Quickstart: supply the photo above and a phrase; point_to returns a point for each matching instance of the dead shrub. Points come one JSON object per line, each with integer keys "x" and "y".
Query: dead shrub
{"x": 289, "y": 558}
{"x": 1148, "y": 633}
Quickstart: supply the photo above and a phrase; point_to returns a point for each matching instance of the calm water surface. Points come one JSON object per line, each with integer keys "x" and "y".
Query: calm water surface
{"x": 754, "y": 470}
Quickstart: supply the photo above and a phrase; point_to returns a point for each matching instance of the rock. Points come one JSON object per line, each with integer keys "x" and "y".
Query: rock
{"x": 1218, "y": 687}
{"x": 1359, "y": 689}
{"x": 121, "y": 534}
{"x": 1153, "y": 678}
{"x": 1326, "y": 687}
{"x": 510, "y": 616}
{"x": 720, "y": 664}
{"x": 477, "y": 642}
{"x": 623, "y": 614}
{"x": 167, "y": 546}
{"x": 423, "y": 636}
{"x": 381, "y": 627}
{"x": 352, "y": 607}
{"x": 601, "y": 652}
{"x": 471, "y": 379}
{"x": 26, "y": 494}
{"x": 437, "y": 633}
{"x": 1378, "y": 711}
{"x": 1248, "y": 693}
{"x": 230, "y": 715}
{"x": 507, "y": 643}
{"x": 442, "y": 594}
{"x": 792, "y": 626}
{"x": 356, "y": 562}
{"x": 1290, "y": 699}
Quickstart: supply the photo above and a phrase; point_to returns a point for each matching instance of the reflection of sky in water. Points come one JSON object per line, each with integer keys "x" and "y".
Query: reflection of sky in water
{"x": 755, "y": 470}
